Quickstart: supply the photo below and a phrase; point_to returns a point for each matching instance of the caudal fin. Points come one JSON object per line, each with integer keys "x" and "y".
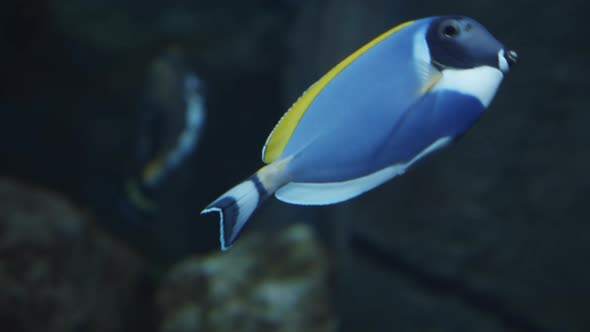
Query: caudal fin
{"x": 235, "y": 208}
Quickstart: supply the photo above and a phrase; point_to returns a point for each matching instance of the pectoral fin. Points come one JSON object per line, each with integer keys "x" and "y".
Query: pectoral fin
{"x": 429, "y": 76}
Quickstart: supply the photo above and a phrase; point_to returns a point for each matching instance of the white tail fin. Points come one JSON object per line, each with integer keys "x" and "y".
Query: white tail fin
{"x": 236, "y": 206}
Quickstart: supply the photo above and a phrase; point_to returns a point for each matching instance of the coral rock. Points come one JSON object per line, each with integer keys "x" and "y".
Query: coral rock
{"x": 58, "y": 272}
{"x": 279, "y": 283}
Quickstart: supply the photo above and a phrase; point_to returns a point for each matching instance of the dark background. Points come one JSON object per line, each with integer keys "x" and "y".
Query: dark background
{"x": 490, "y": 235}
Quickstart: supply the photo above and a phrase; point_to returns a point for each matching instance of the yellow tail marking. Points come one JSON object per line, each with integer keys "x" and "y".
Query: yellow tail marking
{"x": 280, "y": 136}
{"x": 271, "y": 176}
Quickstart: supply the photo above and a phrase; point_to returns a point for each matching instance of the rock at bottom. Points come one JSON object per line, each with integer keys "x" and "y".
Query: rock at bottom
{"x": 280, "y": 283}
{"x": 58, "y": 272}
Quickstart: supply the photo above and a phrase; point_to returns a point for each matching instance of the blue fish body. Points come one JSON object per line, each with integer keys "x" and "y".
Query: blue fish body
{"x": 373, "y": 145}
{"x": 409, "y": 92}
{"x": 354, "y": 113}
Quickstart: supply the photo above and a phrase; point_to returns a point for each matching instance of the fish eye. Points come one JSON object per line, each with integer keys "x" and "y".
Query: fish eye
{"x": 450, "y": 30}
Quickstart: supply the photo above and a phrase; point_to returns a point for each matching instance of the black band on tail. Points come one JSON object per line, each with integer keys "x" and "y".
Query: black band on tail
{"x": 262, "y": 192}
{"x": 228, "y": 217}
{"x": 235, "y": 208}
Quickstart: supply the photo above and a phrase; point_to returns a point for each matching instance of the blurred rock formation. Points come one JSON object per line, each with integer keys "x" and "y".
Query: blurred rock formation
{"x": 59, "y": 272}
{"x": 279, "y": 283}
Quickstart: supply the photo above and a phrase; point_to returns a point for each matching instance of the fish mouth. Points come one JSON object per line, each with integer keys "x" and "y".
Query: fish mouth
{"x": 506, "y": 59}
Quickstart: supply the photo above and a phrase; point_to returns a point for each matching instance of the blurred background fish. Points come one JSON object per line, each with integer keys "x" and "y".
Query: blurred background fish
{"x": 172, "y": 121}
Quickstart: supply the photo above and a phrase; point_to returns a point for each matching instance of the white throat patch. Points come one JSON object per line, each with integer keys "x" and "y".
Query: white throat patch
{"x": 480, "y": 82}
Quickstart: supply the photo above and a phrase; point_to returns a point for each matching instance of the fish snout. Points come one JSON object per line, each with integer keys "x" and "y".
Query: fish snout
{"x": 511, "y": 57}
{"x": 506, "y": 59}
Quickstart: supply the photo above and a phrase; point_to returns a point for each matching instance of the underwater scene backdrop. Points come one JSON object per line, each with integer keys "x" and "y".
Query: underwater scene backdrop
{"x": 121, "y": 121}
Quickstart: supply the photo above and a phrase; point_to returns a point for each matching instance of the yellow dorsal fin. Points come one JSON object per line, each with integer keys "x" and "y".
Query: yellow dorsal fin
{"x": 281, "y": 134}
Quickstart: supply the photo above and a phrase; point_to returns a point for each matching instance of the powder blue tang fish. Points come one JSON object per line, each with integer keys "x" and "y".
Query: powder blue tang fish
{"x": 411, "y": 91}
